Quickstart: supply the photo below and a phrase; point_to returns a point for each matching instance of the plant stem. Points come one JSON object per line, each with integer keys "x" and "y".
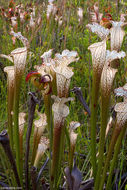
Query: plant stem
{"x": 115, "y": 135}
{"x": 51, "y": 141}
{"x": 10, "y": 108}
{"x": 21, "y": 149}
{"x": 116, "y": 152}
{"x": 61, "y": 153}
{"x": 41, "y": 170}
{"x": 54, "y": 86}
{"x": 48, "y": 110}
{"x": 55, "y": 159}
{"x": 94, "y": 100}
{"x": 35, "y": 145}
{"x": 34, "y": 177}
{"x": 47, "y": 102}
{"x": 5, "y": 165}
{"x": 4, "y": 140}
{"x": 104, "y": 117}
{"x": 71, "y": 155}
{"x": 19, "y": 160}
{"x": 79, "y": 95}
{"x": 56, "y": 155}
{"x": 32, "y": 105}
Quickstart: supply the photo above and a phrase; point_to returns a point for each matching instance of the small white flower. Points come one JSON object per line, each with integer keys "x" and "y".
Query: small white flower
{"x": 123, "y": 17}
{"x": 19, "y": 36}
{"x": 108, "y": 73}
{"x": 95, "y": 18}
{"x": 32, "y": 22}
{"x": 60, "y": 110}
{"x": 112, "y": 55}
{"x": 50, "y": 1}
{"x": 73, "y": 136}
{"x": 59, "y": 106}
{"x": 66, "y": 57}
{"x": 117, "y": 35}
{"x": 46, "y": 57}
{"x": 42, "y": 147}
{"x": 51, "y": 9}
{"x": 14, "y": 21}
{"x": 22, "y": 17}
{"x": 80, "y": 13}
{"x": 98, "y": 51}
{"x": 10, "y": 75}
{"x": 40, "y": 124}
{"x": 59, "y": 20}
{"x": 19, "y": 56}
{"x": 63, "y": 72}
{"x": 63, "y": 78}
{"x": 121, "y": 109}
{"x": 122, "y": 91}
{"x": 33, "y": 12}
{"x": 99, "y": 30}
{"x": 39, "y": 19}
{"x": 74, "y": 125}
{"x": 107, "y": 78}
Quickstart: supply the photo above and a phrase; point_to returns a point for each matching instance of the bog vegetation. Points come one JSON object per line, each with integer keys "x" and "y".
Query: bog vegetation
{"x": 63, "y": 95}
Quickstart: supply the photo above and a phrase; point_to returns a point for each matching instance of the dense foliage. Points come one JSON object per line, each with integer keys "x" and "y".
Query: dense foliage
{"x": 62, "y": 28}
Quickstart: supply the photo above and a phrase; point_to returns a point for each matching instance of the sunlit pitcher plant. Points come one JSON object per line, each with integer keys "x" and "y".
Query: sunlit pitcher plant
{"x": 105, "y": 67}
{"x": 31, "y": 137}
{"x": 53, "y": 76}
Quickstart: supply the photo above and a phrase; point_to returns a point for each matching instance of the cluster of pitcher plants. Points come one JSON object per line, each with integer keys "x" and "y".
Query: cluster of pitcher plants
{"x": 46, "y": 132}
